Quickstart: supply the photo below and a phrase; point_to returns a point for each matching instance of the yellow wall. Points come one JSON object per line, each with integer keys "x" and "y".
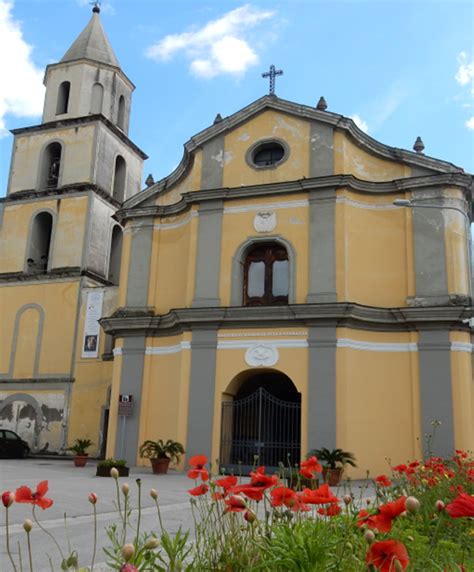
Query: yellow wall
{"x": 463, "y": 393}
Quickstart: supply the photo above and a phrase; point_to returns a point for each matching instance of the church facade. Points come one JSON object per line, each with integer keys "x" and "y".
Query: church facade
{"x": 266, "y": 298}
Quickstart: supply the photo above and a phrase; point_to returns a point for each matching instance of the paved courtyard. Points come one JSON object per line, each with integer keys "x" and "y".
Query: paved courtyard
{"x": 69, "y": 487}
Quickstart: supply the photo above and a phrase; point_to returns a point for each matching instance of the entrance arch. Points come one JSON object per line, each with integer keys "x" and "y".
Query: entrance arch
{"x": 260, "y": 421}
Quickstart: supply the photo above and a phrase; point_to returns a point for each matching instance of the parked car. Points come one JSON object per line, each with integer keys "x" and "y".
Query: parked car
{"x": 12, "y": 445}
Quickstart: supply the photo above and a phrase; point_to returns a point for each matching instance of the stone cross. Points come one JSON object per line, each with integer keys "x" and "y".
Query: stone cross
{"x": 272, "y": 75}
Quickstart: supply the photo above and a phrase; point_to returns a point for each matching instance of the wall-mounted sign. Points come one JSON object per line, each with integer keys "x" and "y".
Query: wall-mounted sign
{"x": 90, "y": 342}
{"x": 125, "y": 408}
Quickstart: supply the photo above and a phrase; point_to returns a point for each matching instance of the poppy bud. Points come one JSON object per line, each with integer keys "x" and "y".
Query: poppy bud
{"x": 238, "y": 501}
{"x": 8, "y": 499}
{"x": 368, "y": 501}
{"x": 154, "y": 494}
{"x": 369, "y": 536}
{"x": 440, "y": 506}
{"x": 412, "y": 505}
{"x": 152, "y": 543}
{"x": 27, "y": 525}
{"x": 125, "y": 489}
{"x": 92, "y": 498}
{"x": 250, "y": 516}
{"x": 114, "y": 473}
{"x": 347, "y": 499}
{"x": 128, "y": 551}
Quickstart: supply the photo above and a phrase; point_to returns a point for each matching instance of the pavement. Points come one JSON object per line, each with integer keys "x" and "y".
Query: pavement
{"x": 69, "y": 487}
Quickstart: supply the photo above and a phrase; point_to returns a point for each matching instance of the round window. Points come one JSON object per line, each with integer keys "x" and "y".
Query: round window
{"x": 268, "y": 154}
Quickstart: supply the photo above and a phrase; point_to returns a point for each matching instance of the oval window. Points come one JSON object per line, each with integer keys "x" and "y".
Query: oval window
{"x": 268, "y": 154}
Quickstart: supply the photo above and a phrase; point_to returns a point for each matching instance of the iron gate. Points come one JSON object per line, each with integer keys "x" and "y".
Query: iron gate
{"x": 260, "y": 430}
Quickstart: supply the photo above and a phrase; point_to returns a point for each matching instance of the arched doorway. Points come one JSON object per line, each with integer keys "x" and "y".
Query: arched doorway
{"x": 261, "y": 422}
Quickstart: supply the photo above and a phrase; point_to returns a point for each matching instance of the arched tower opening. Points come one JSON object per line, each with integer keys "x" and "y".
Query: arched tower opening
{"x": 120, "y": 173}
{"x": 50, "y": 166}
{"x": 97, "y": 98}
{"x": 62, "y": 104}
{"x": 40, "y": 243}
{"x": 115, "y": 256}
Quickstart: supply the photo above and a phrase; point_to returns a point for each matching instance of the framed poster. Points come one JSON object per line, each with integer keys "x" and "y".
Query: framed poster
{"x": 90, "y": 342}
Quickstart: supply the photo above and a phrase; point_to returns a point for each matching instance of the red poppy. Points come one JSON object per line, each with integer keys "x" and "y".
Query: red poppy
{"x": 400, "y": 468}
{"x": 300, "y": 505}
{"x": 227, "y": 482}
{"x": 366, "y": 518}
{"x": 25, "y": 494}
{"x": 393, "y": 509}
{"x": 235, "y": 503}
{"x": 461, "y": 453}
{"x": 331, "y": 510}
{"x": 383, "y": 555}
{"x": 260, "y": 479}
{"x": 283, "y": 496}
{"x": 383, "y": 481}
{"x": 254, "y": 493}
{"x": 198, "y": 491}
{"x": 7, "y": 498}
{"x": 309, "y": 468}
{"x": 128, "y": 568}
{"x": 462, "y": 505}
{"x": 321, "y": 495}
{"x": 198, "y": 470}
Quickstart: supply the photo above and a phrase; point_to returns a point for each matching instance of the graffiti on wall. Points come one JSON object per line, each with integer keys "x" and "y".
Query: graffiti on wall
{"x": 37, "y": 418}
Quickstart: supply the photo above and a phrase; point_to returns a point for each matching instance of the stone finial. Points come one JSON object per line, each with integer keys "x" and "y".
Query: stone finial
{"x": 218, "y": 118}
{"x": 149, "y": 180}
{"x": 96, "y": 8}
{"x": 419, "y": 145}
{"x": 322, "y": 105}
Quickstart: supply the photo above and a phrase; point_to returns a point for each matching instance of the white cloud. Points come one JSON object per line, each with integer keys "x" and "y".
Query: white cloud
{"x": 22, "y": 91}
{"x": 470, "y": 123}
{"x": 361, "y": 124}
{"x": 220, "y": 46}
{"x": 465, "y": 73}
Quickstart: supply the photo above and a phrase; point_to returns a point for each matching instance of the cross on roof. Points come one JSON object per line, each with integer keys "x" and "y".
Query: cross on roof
{"x": 272, "y": 75}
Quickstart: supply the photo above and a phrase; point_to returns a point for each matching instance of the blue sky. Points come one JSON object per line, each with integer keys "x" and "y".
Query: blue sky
{"x": 402, "y": 68}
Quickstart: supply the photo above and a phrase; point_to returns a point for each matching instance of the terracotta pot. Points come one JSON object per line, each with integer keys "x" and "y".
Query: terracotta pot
{"x": 80, "y": 460}
{"x": 332, "y": 476}
{"x": 160, "y": 466}
{"x": 105, "y": 471}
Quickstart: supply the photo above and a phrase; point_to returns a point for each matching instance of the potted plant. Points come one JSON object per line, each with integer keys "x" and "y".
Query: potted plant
{"x": 334, "y": 461}
{"x": 103, "y": 467}
{"x": 161, "y": 453}
{"x": 79, "y": 449}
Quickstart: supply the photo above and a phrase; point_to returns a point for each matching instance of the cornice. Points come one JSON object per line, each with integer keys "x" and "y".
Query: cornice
{"x": 321, "y": 184}
{"x": 74, "y": 121}
{"x": 74, "y": 189}
{"x": 93, "y": 63}
{"x": 126, "y": 322}
{"x": 62, "y": 274}
{"x": 272, "y": 102}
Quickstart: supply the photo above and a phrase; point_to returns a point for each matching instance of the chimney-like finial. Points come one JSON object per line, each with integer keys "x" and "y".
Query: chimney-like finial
{"x": 419, "y": 145}
{"x": 322, "y": 105}
{"x": 149, "y": 180}
{"x": 218, "y": 118}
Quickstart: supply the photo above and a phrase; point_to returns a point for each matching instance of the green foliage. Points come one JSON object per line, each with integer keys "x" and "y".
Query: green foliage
{"x": 80, "y": 446}
{"x": 162, "y": 450}
{"x": 110, "y": 463}
{"x": 333, "y": 458}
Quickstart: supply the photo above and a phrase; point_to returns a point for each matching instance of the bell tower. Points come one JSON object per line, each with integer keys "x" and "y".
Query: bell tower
{"x": 60, "y": 248}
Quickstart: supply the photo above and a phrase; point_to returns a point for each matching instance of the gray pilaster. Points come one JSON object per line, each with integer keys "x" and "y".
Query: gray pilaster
{"x": 430, "y": 256}
{"x": 139, "y": 268}
{"x": 322, "y": 247}
{"x": 436, "y": 400}
{"x": 131, "y": 382}
{"x": 321, "y": 157}
{"x": 213, "y": 155}
{"x": 322, "y": 387}
{"x": 201, "y": 392}
{"x": 208, "y": 256}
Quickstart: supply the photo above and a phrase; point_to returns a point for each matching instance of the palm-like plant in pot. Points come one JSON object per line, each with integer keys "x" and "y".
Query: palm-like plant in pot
{"x": 334, "y": 461}
{"x": 79, "y": 448}
{"x": 161, "y": 453}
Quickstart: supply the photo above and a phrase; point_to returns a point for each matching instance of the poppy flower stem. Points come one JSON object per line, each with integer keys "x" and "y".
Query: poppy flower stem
{"x": 41, "y": 527}
{"x": 139, "y": 486}
{"x": 30, "y": 558}
{"x": 8, "y": 540}
{"x": 95, "y": 537}
{"x": 159, "y": 515}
